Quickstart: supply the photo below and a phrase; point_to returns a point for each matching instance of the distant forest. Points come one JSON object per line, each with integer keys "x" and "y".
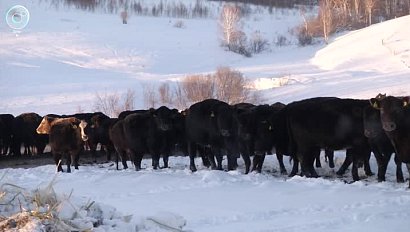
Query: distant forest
{"x": 275, "y": 3}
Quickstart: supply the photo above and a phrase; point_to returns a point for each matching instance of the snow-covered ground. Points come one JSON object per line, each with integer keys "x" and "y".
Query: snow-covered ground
{"x": 63, "y": 58}
{"x": 231, "y": 201}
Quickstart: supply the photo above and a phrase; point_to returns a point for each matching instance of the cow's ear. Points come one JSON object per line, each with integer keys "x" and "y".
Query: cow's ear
{"x": 375, "y": 103}
{"x": 153, "y": 112}
{"x": 212, "y": 114}
{"x": 406, "y": 101}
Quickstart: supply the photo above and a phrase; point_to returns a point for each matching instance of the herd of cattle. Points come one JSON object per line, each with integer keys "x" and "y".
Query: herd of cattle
{"x": 213, "y": 129}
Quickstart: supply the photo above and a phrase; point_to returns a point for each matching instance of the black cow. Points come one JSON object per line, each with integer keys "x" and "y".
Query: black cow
{"x": 380, "y": 144}
{"x": 329, "y": 123}
{"x": 117, "y": 137}
{"x": 256, "y": 135}
{"x": 125, "y": 113}
{"x": 136, "y": 129}
{"x": 24, "y": 133}
{"x": 395, "y": 119}
{"x": 98, "y": 133}
{"x": 212, "y": 123}
{"x": 6, "y": 133}
{"x": 66, "y": 137}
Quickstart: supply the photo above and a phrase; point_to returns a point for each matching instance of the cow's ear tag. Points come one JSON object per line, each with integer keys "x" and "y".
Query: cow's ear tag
{"x": 405, "y": 103}
{"x": 74, "y": 126}
{"x": 374, "y": 102}
{"x": 212, "y": 114}
{"x": 270, "y": 128}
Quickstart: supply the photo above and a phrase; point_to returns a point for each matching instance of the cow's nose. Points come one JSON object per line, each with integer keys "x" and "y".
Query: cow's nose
{"x": 84, "y": 137}
{"x": 389, "y": 126}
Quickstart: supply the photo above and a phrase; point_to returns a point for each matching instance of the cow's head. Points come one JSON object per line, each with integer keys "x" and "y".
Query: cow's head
{"x": 163, "y": 117}
{"x": 392, "y": 110}
{"x": 246, "y": 125}
{"x": 82, "y": 126}
{"x": 226, "y": 120}
{"x": 45, "y": 125}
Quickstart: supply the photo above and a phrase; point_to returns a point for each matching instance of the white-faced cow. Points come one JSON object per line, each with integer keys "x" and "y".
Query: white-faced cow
{"x": 66, "y": 136}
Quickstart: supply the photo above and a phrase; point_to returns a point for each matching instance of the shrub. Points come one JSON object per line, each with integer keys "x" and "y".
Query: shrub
{"x": 112, "y": 104}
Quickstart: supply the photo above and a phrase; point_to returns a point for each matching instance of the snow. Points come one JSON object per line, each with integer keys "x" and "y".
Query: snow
{"x": 230, "y": 201}
{"x": 64, "y": 57}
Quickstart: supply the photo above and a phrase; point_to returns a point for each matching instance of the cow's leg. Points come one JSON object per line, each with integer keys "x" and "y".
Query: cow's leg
{"x": 124, "y": 158}
{"x": 279, "y": 157}
{"x": 399, "y": 171}
{"x": 408, "y": 169}
{"x": 255, "y": 162}
{"x": 367, "y": 168}
{"x": 57, "y": 161}
{"x": 329, "y": 155}
{"x": 68, "y": 160}
{"x": 155, "y": 160}
{"x": 295, "y": 167}
{"x": 219, "y": 158}
{"x": 317, "y": 160}
{"x": 192, "y": 150}
{"x": 75, "y": 157}
{"x": 355, "y": 164}
{"x": 138, "y": 160}
{"x": 93, "y": 150}
{"x": 165, "y": 158}
{"x": 381, "y": 165}
{"x": 109, "y": 149}
{"x": 208, "y": 159}
{"x": 247, "y": 161}
{"x": 261, "y": 160}
{"x": 311, "y": 160}
{"x": 346, "y": 163}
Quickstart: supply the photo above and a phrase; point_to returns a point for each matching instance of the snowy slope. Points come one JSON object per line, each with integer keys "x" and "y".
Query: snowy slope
{"x": 64, "y": 57}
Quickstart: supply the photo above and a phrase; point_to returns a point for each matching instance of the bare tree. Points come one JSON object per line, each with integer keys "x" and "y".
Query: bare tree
{"x": 229, "y": 23}
{"x": 198, "y": 87}
{"x": 166, "y": 97}
{"x": 231, "y": 86}
{"x": 112, "y": 104}
{"x": 369, "y": 4}
{"x": 325, "y": 13}
{"x": 150, "y": 96}
{"x": 129, "y": 100}
{"x": 107, "y": 103}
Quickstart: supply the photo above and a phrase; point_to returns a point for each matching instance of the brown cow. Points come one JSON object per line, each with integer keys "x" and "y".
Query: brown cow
{"x": 66, "y": 138}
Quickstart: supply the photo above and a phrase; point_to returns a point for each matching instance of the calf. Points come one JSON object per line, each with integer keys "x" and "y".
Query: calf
{"x": 66, "y": 136}
{"x": 395, "y": 120}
